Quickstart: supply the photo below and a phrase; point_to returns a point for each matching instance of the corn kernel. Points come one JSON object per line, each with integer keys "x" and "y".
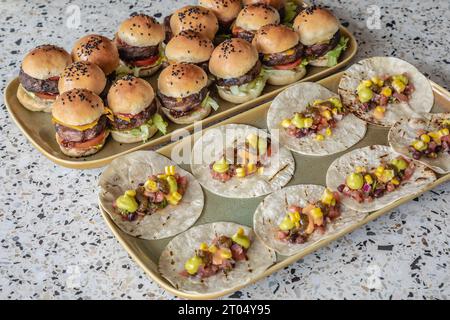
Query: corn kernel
{"x": 367, "y": 83}
{"x": 213, "y": 249}
{"x": 395, "y": 182}
{"x": 203, "y": 246}
{"x": 240, "y": 231}
{"x": 326, "y": 114}
{"x": 240, "y": 172}
{"x": 335, "y": 111}
{"x": 151, "y": 186}
{"x": 444, "y": 132}
{"x": 360, "y": 169}
{"x": 162, "y": 176}
{"x": 170, "y": 170}
{"x": 420, "y": 145}
{"x": 286, "y": 123}
{"x": 261, "y": 170}
{"x": 425, "y": 138}
{"x": 130, "y": 193}
{"x": 308, "y": 122}
{"x": 380, "y": 169}
{"x": 368, "y": 178}
{"x": 316, "y": 213}
{"x": 386, "y": 91}
{"x": 225, "y": 253}
{"x": 251, "y": 167}
{"x": 320, "y": 137}
{"x": 377, "y": 81}
{"x": 380, "y": 109}
{"x": 177, "y": 196}
{"x": 317, "y": 102}
{"x": 328, "y": 131}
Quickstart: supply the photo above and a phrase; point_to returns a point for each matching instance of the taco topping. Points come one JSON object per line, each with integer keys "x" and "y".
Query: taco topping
{"x": 247, "y": 159}
{"x": 156, "y": 193}
{"x": 299, "y": 223}
{"x": 376, "y": 93}
{"x": 431, "y": 143}
{"x": 319, "y": 119}
{"x": 366, "y": 185}
{"x": 220, "y": 256}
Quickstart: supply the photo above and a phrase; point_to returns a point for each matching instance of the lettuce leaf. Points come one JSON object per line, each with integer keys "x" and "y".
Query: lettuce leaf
{"x": 144, "y": 130}
{"x": 334, "y": 54}
{"x": 159, "y": 123}
{"x": 290, "y": 12}
{"x": 257, "y": 85}
{"x": 208, "y": 101}
{"x": 124, "y": 69}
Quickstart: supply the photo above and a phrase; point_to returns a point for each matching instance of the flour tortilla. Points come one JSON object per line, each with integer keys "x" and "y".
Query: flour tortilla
{"x": 404, "y": 132}
{"x": 421, "y": 100}
{"x": 183, "y": 247}
{"x": 370, "y": 157}
{"x": 274, "y": 178}
{"x": 272, "y": 210}
{"x": 126, "y": 173}
{"x": 349, "y": 131}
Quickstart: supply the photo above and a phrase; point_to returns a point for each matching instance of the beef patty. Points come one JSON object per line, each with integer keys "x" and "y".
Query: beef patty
{"x": 130, "y": 53}
{"x": 69, "y": 135}
{"x": 136, "y": 120}
{"x": 246, "y": 78}
{"x": 318, "y": 50}
{"x": 36, "y": 85}
{"x": 276, "y": 59}
{"x": 183, "y": 105}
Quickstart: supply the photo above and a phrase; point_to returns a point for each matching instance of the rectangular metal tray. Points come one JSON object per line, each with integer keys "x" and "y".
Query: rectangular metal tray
{"x": 146, "y": 253}
{"x": 38, "y": 129}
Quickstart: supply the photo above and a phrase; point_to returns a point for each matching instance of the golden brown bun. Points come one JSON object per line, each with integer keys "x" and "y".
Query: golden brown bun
{"x": 99, "y": 50}
{"x": 181, "y": 80}
{"x": 275, "y": 38}
{"x": 130, "y": 95}
{"x": 277, "y": 4}
{"x": 255, "y": 16}
{"x": 46, "y": 61}
{"x": 317, "y": 25}
{"x": 196, "y": 18}
{"x": 78, "y": 107}
{"x": 82, "y": 75}
{"x": 284, "y": 77}
{"x": 141, "y": 31}
{"x": 197, "y": 115}
{"x": 127, "y": 137}
{"x": 225, "y": 10}
{"x": 319, "y": 62}
{"x": 33, "y": 103}
{"x": 189, "y": 46}
{"x": 81, "y": 152}
{"x": 233, "y": 58}
{"x": 228, "y": 96}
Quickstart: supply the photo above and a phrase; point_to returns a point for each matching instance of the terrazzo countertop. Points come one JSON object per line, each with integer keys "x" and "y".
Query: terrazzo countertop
{"x": 55, "y": 245}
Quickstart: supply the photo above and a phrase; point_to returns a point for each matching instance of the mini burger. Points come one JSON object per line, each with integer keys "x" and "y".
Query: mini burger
{"x": 80, "y": 122}
{"x": 226, "y": 11}
{"x": 238, "y": 71}
{"x": 98, "y": 50}
{"x": 282, "y": 54}
{"x": 39, "y": 74}
{"x": 252, "y": 18}
{"x": 83, "y": 75}
{"x": 189, "y": 47}
{"x": 139, "y": 41}
{"x": 288, "y": 9}
{"x": 133, "y": 116}
{"x": 183, "y": 92}
{"x": 195, "y": 18}
{"x": 319, "y": 33}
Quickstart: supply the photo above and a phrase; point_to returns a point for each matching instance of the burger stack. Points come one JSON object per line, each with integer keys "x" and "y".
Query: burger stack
{"x": 237, "y": 46}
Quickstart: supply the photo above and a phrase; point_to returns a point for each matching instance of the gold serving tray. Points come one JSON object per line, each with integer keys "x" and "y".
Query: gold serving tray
{"x": 309, "y": 170}
{"x": 39, "y": 130}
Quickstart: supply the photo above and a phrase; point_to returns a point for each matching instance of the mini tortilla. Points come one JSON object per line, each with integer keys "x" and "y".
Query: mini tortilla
{"x": 421, "y": 101}
{"x": 183, "y": 247}
{"x": 126, "y": 173}
{"x": 277, "y": 175}
{"x": 404, "y": 132}
{"x": 272, "y": 210}
{"x": 349, "y": 131}
{"x": 370, "y": 157}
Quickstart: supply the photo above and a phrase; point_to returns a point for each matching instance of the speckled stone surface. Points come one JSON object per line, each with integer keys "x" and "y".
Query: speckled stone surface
{"x": 55, "y": 245}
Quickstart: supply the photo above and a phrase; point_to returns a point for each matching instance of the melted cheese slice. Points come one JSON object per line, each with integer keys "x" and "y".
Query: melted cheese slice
{"x": 78, "y": 128}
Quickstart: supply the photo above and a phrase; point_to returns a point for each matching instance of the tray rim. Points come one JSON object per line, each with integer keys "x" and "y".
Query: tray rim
{"x": 156, "y": 277}
{"x": 159, "y": 141}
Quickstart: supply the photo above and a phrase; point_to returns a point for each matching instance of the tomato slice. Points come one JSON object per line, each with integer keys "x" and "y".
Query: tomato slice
{"x": 289, "y": 66}
{"x": 91, "y": 143}
{"x": 48, "y": 96}
{"x": 55, "y": 78}
{"x": 145, "y": 62}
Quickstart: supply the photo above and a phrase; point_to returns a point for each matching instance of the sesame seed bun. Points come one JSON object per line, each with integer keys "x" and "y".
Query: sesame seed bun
{"x": 277, "y": 4}
{"x": 190, "y": 47}
{"x": 181, "y": 80}
{"x": 45, "y": 61}
{"x": 81, "y": 152}
{"x": 82, "y": 75}
{"x": 225, "y": 10}
{"x": 233, "y": 58}
{"x": 141, "y": 31}
{"x": 317, "y": 25}
{"x": 196, "y": 18}
{"x": 275, "y": 38}
{"x": 78, "y": 107}
{"x": 99, "y": 50}
{"x": 130, "y": 95}
{"x": 33, "y": 102}
{"x": 255, "y": 16}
